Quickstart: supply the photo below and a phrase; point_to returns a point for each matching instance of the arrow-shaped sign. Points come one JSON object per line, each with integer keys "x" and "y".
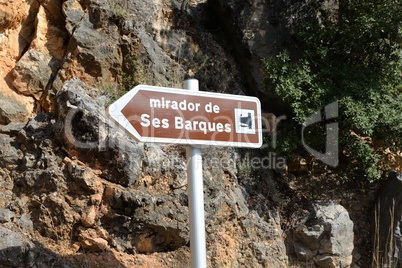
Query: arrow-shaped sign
{"x": 168, "y": 115}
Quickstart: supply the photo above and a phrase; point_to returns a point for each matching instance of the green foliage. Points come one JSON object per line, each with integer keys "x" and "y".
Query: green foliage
{"x": 130, "y": 76}
{"x": 133, "y": 76}
{"x": 357, "y": 61}
{"x": 286, "y": 143}
{"x": 201, "y": 64}
{"x": 116, "y": 8}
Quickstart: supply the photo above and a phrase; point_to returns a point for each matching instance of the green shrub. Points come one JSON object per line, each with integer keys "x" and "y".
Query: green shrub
{"x": 357, "y": 61}
{"x": 118, "y": 9}
{"x": 130, "y": 75}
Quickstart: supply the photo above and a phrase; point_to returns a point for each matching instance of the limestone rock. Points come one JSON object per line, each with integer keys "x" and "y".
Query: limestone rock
{"x": 84, "y": 128}
{"x": 265, "y": 240}
{"x": 50, "y": 34}
{"x": 12, "y": 128}
{"x": 85, "y": 177}
{"x": 12, "y": 110}
{"x": 32, "y": 74}
{"x": 74, "y": 13}
{"x": 25, "y": 222}
{"x": 160, "y": 222}
{"x": 13, "y": 247}
{"x": 88, "y": 217}
{"x": 6, "y": 187}
{"x": 9, "y": 154}
{"x": 11, "y": 14}
{"x": 325, "y": 239}
{"x": 94, "y": 244}
{"x": 91, "y": 241}
{"x": 53, "y": 7}
{"x": 5, "y": 215}
{"x": 16, "y": 250}
{"x": 94, "y": 53}
{"x": 47, "y": 165}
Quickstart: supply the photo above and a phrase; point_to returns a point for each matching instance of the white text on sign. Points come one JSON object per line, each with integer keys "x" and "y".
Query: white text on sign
{"x": 181, "y": 123}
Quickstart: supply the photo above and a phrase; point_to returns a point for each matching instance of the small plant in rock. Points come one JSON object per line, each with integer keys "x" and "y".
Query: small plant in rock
{"x": 111, "y": 91}
{"x": 117, "y": 9}
{"x": 131, "y": 75}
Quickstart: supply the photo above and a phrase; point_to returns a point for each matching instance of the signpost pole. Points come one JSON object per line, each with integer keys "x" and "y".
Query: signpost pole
{"x": 196, "y": 198}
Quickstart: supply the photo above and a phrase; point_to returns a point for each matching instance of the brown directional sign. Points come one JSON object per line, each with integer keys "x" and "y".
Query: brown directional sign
{"x": 167, "y": 115}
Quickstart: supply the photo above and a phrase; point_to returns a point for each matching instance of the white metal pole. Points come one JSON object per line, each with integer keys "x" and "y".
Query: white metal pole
{"x": 196, "y": 198}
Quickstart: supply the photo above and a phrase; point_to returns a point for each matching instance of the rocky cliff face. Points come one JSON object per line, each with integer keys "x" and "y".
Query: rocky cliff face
{"x": 129, "y": 199}
{"x": 105, "y": 44}
{"x": 72, "y": 185}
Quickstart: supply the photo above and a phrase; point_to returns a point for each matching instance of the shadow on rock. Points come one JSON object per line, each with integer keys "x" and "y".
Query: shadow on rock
{"x": 17, "y": 250}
